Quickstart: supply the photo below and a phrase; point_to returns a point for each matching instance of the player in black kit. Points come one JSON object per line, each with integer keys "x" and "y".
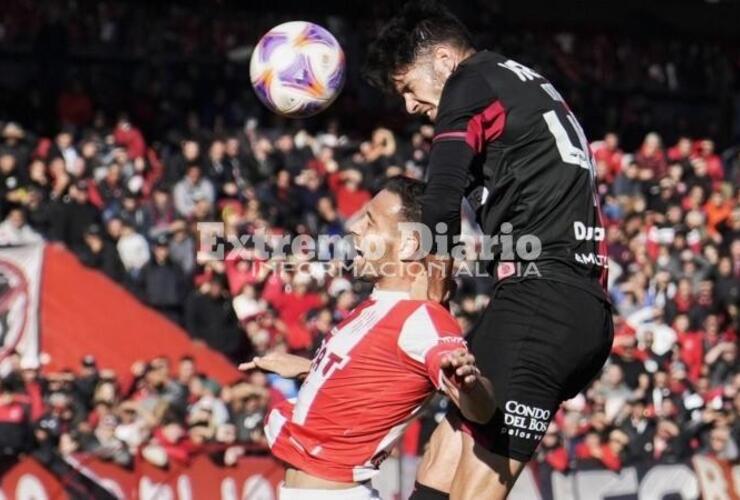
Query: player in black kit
{"x": 505, "y": 140}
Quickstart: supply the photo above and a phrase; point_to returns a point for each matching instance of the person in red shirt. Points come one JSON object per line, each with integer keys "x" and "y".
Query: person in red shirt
{"x": 705, "y": 150}
{"x": 170, "y": 444}
{"x": 130, "y": 137}
{"x": 608, "y": 152}
{"x": 551, "y": 451}
{"x": 347, "y": 190}
{"x": 651, "y": 156}
{"x": 681, "y": 152}
{"x": 324, "y": 162}
{"x": 591, "y": 449}
{"x": 15, "y": 421}
{"x": 691, "y": 345}
{"x": 292, "y": 303}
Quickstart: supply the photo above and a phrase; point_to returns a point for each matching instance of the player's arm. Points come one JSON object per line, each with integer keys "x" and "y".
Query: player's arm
{"x": 469, "y": 116}
{"x": 463, "y": 383}
{"x": 285, "y": 365}
{"x": 431, "y": 342}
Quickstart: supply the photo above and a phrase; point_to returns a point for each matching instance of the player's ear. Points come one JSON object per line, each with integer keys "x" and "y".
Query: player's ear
{"x": 444, "y": 58}
{"x": 409, "y": 245}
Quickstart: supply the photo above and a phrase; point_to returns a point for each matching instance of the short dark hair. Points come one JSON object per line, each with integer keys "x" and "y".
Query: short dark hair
{"x": 421, "y": 24}
{"x": 410, "y": 191}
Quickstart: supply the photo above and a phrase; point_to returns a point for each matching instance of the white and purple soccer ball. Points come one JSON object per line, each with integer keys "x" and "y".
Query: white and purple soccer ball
{"x": 297, "y": 69}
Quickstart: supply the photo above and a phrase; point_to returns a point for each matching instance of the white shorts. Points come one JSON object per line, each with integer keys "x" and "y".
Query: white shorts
{"x": 362, "y": 492}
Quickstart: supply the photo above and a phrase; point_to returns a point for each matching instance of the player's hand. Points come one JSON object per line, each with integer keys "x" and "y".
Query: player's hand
{"x": 459, "y": 367}
{"x": 285, "y": 365}
{"x": 466, "y": 387}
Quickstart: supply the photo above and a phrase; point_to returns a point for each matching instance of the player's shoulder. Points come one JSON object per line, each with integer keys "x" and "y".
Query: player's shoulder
{"x": 467, "y": 82}
{"x": 428, "y": 325}
{"x": 430, "y": 314}
{"x": 469, "y": 89}
{"x": 474, "y": 69}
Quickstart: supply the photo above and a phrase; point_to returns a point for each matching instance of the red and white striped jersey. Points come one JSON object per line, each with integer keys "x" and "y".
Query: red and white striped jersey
{"x": 369, "y": 379}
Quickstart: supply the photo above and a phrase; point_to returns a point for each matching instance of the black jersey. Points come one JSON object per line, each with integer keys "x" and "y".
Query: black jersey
{"x": 506, "y": 139}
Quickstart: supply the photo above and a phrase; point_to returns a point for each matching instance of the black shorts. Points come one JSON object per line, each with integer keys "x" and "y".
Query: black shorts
{"x": 539, "y": 342}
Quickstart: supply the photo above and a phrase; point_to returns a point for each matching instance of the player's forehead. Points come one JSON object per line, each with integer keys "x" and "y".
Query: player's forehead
{"x": 402, "y": 77}
{"x": 385, "y": 205}
{"x": 399, "y": 81}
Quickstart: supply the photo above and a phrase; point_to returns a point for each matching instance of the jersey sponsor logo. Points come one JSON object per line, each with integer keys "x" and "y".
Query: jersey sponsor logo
{"x": 588, "y": 233}
{"x": 525, "y": 421}
{"x": 521, "y": 409}
{"x": 328, "y": 362}
{"x": 591, "y": 259}
{"x": 524, "y": 73}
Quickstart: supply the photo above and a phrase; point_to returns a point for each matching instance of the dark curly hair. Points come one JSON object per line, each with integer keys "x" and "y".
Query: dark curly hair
{"x": 410, "y": 191}
{"x": 420, "y": 25}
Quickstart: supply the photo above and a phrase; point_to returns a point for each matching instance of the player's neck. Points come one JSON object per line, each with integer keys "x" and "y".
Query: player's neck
{"x": 394, "y": 284}
{"x": 465, "y": 56}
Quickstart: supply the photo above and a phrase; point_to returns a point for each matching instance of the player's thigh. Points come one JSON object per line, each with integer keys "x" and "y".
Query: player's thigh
{"x": 483, "y": 474}
{"x": 437, "y": 467}
{"x": 536, "y": 341}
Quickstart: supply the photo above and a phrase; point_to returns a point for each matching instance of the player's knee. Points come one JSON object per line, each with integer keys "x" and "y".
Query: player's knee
{"x": 423, "y": 492}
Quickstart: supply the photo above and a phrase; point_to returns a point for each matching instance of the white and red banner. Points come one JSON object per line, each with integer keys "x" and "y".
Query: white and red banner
{"x": 20, "y": 285}
{"x": 55, "y": 309}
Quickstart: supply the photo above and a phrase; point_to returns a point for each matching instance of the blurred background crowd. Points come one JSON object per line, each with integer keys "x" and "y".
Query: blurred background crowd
{"x": 125, "y": 125}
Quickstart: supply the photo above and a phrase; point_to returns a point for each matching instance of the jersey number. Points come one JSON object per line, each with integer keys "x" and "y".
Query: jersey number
{"x": 569, "y": 152}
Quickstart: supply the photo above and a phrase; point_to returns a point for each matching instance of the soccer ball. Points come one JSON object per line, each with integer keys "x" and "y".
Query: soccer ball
{"x": 297, "y": 69}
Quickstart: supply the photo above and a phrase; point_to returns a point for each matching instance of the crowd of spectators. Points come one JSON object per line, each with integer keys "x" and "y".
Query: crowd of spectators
{"x": 671, "y": 387}
{"x": 126, "y": 196}
{"x": 164, "y": 414}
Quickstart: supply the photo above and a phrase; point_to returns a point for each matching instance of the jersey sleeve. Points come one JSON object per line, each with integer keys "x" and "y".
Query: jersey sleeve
{"x": 426, "y": 336}
{"x": 469, "y": 116}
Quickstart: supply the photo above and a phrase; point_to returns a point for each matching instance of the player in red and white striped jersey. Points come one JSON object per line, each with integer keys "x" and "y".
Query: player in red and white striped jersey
{"x": 374, "y": 371}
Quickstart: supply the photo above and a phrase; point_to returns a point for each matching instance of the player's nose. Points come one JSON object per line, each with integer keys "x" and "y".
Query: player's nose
{"x": 354, "y": 227}
{"x": 411, "y": 105}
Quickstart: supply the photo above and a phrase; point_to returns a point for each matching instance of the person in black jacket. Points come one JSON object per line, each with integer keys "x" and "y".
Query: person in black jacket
{"x": 641, "y": 430}
{"x": 210, "y": 317}
{"x": 77, "y": 214}
{"x": 162, "y": 282}
{"x": 97, "y": 252}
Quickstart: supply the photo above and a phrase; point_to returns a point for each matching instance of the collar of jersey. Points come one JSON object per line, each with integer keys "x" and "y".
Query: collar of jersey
{"x": 389, "y": 295}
